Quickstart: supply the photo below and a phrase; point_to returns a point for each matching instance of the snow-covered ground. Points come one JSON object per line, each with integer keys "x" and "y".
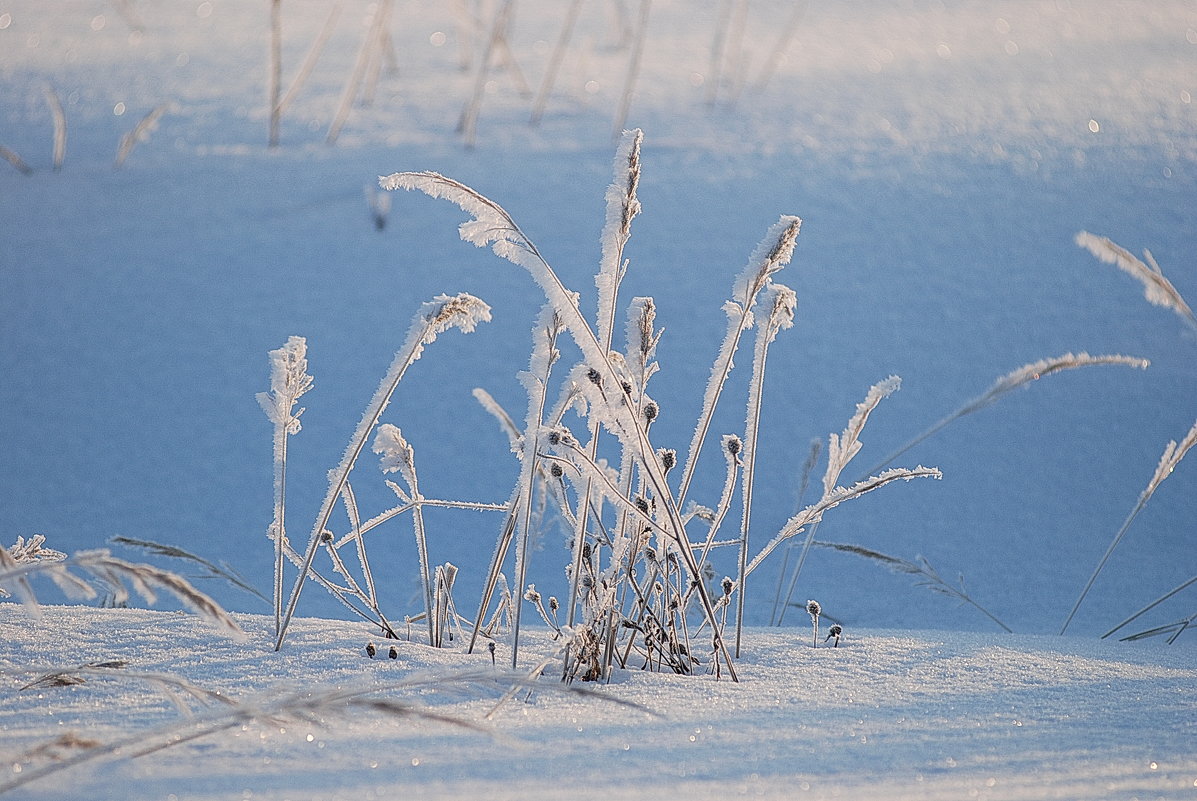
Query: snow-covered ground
{"x": 942, "y": 155}
{"x": 888, "y": 714}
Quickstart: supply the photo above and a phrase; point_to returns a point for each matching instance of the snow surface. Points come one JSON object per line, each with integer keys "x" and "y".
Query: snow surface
{"x": 942, "y": 157}
{"x": 888, "y": 714}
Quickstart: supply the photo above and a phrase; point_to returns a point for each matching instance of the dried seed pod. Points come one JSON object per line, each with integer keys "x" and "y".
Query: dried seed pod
{"x": 371, "y": 650}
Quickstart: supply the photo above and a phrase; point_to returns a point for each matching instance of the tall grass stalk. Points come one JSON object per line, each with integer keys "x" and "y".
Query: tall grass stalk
{"x": 1157, "y": 289}
{"x": 773, "y": 253}
{"x": 274, "y": 89}
{"x": 15, "y": 160}
{"x": 1183, "y": 586}
{"x": 289, "y": 379}
{"x": 779, "y": 608}
{"x": 375, "y": 39}
{"x": 645, "y": 527}
{"x": 555, "y": 58}
{"x": 1171, "y": 457}
{"x": 774, "y": 59}
{"x": 718, "y": 49}
{"x": 60, "y": 125}
{"x": 536, "y": 382}
{"x": 435, "y": 317}
{"x": 633, "y": 73}
{"x": 399, "y": 456}
{"x": 467, "y": 125}
{"x": 623, "y": 206}
{"x": 1020, "y": 377}
{"x": 212, "y": 570}
{"x": 309, "y": 60}
{"x": 776, "y": 308}
{"x": 927, "y": 575}
{"x": 140, "y": 132}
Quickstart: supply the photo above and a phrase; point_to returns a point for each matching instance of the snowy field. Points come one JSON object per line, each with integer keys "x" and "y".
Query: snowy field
{"x": 942, "y": 157}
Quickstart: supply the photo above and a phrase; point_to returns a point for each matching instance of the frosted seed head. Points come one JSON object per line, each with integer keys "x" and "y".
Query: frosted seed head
{"x": 641, "y": 504}
{"x": 326, "y": 536}
{"x": 553, "y": 603}
{"x": 531, "y": 594}
{"x": 594, "y": 377}
{"x": 727, "y": 584}
{"x": 556, "y": 471}
{"x": 371, "y": 650}
{"x": 733, "y": 445}
{"x": 393, "y": 653}
{"x": 627, "y": 388}
{"x": 651, "y": 410}
{"x": 650, "y": 553}
{"x": 554, "y": 438}
{"x": 668, "y": 459}
{"x": 813, "y": 608}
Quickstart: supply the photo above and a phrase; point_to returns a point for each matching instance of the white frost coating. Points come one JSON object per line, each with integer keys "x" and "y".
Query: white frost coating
{"x": 642, "y": 341}
{"x": 841, "y": 448}
{"x": 288, "y": 380}
{"x": 1156, "y": 288}
{"x": 462, "y": 311}
{"x": 396, "y": 452}
{"x": 1173, "y": 453}
{"x": 773, "y": 253}
{"x": 491, "y": 405}
{"x": 738, "y": 320}
{"x": 622, "y": 208}
{"x": 1044, "y": 367}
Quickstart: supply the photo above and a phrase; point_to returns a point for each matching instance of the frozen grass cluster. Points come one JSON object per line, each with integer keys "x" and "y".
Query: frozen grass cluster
{"x": 640, "y": 590}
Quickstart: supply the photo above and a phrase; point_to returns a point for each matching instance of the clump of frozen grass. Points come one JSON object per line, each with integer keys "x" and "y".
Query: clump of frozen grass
{"x": 636, "y": 577}
{"x": 29, "y": 559}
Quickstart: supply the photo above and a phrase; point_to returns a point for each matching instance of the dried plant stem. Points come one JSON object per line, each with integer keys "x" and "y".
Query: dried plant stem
{"x": 467, "y": 125}
{"x": 1152, "y": 605}
{"x": 375, "y": 39}
{"x": 554, "y": 65}
{"x": 15, "y": 160}
{"x": 718, "y": 48}
{"x": 309, "y": 61}
{"x": 629, "y": 85}
{"x": 1011, "y": 381}
{"x": 139, "y": 132}
{"x": 60, "y": 125}
{"x": 1157, "y": 289}
{"x": 779, "y": 608}
{"x": 783, "y": 42}
{"x": 276, "y": 68}
{"x": 1173, "y": 453}
{"x": 142, "y": 577}
{"x": 928, "y": 576}
{"x": 778, "y": 303}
